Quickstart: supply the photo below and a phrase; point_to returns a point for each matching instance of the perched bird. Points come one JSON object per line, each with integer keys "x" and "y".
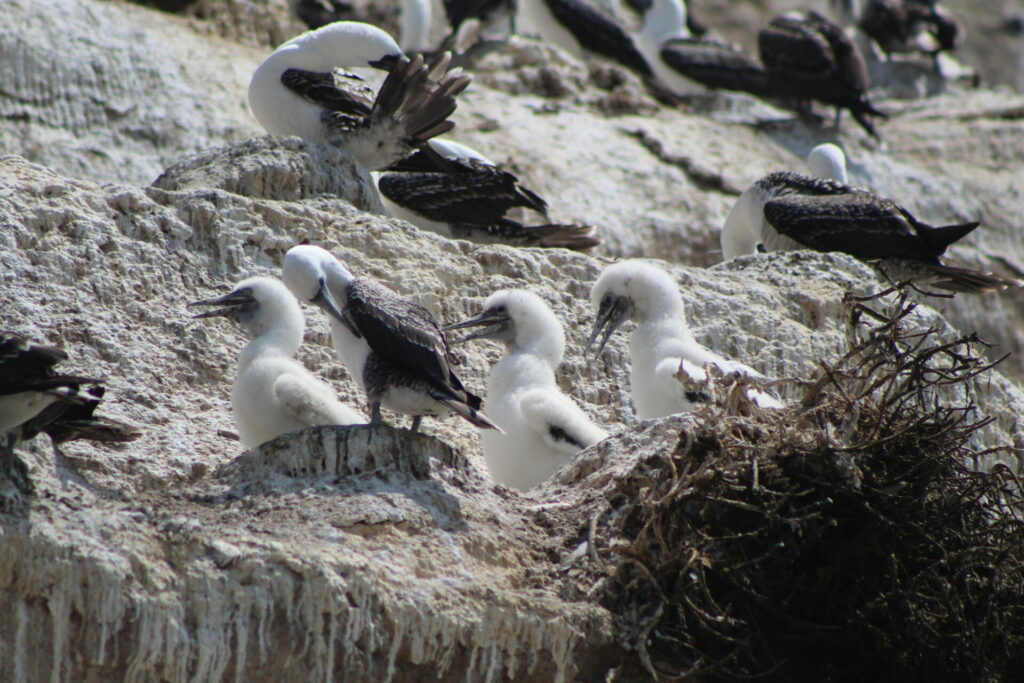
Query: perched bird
{"x": 273, "y": 393}
{"x": 393, "y": 347}
{"x": 827, "y": 161}
{"x": 467, "y": 196}
{"x": 900, "y": 26}
{"x": 680, "y": 60}
{"x": 298, "y": 90}
{"x": 808, "y": 57}
{"x": 580, "y": 26}
{"x": 786, "y": 210}
{"x": 35, "y": 398}
{"x": 661, "y": 348}
{"x": 543, "y": 428}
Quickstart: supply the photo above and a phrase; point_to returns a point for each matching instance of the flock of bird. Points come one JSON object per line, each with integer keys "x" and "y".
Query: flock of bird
{"x": 396, "y": 351}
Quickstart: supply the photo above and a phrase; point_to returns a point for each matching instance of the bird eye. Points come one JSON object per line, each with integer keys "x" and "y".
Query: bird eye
{"x": 499, "y": 309}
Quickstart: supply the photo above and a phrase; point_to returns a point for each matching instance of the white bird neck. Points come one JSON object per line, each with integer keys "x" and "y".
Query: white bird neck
{"x": 741, "y": 231}
{"x": 664, "y": 20}
{"x": 274, "y": 333}
{"x": 544, "y": 341}
{"x": 338, "y": 278}
{"x": 519, "y": 370}
{"x": 415, "y": 25}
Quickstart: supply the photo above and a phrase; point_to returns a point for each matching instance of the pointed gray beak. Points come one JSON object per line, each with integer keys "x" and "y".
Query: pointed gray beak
{"x": 493, "y": 321}
{"x": 612, "y": 313}
{"x": 232, "y": 302}
{"x": 328, "y": 304}
{"x": 386, "y": 63}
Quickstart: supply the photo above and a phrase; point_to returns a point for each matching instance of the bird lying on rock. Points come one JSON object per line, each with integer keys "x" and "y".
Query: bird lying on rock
{"x": 393, "y": 347}
{"x": 786, "y": 211}
{"x": 662, "y": 346}
{"x": 273, "y": 393}
{"x": 458, "y": 192}
{"x": 543, "y": 428}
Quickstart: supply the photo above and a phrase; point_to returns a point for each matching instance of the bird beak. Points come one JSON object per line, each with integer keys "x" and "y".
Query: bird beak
{"x": 610, "y": 316}
{"x": 328, "y": 304}
{"x": 386, "y": 63}
{"x": 492, "y": 321}
{"x": 232, "y": 303}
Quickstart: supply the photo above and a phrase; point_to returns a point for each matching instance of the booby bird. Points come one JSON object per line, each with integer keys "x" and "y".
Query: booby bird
{"x": 808, "y": 57}
{"x": 393, "y": 347}
{"x": 468, "y": 197}
{"x": 679, "y": 59}
{"x": 579, "y": 26}
{"x": 827, "y": 161}
{"x": 543, "y": 428}
{"x": 273, "y": 393}
{"x": 34, "y": 398}
{"x": 785, "y": 211}
{"x": 909, "y": 26}
{"x": 300, "y": 90}
{"x": 662, "y": 346}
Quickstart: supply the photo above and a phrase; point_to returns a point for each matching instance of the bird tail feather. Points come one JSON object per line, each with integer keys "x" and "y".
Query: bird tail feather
{"x": 938, "y": 239}
{"x": 421, "y": 97}
{"x": 970, "y": 280}
{"x": 472, "y": 415}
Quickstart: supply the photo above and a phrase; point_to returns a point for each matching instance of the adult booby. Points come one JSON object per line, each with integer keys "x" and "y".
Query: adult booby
{"x": 786, "y": 210}
{"x": 579, "y": 26}
{"x": 298, "y": 90}
{"x": 393, "y": 346}
{"x": 35, "y": 398}
{"x": 661, "y": 348}
{"x": 543, "y": 428}
{"x": 828, "y": 162}
{"x": 808, "y": 57}
{"x": 273, "y": 393}
{"x": 468, "y": 197}
{"x": 679, "y": 60}
{"x": 909, "y": 26}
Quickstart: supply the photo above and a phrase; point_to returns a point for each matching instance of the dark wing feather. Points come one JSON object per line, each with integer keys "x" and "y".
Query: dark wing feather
{"x": 403, "y": 331}
{"x": 340, "y": 92}
{"x": 26, "y": 365}
{"x": 788, "y": 47}
{"x": 857, "y": 223}
{"x": 474, "y": 193}
{"x": 715, "y": 64}
{"x": 459, "y": 11}
{"x": 598, "y": 32}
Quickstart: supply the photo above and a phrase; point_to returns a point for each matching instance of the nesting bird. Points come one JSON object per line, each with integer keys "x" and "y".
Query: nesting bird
{"x": 458, "y": 192}
{"x": 679, "y": 59}
{"x": 35, "y": 398}
{"x": 393, "y": 347}
{"x": 785, "y": 211}
{"x": 808, "y": 57}
{"x": 273, "y": 393}
{"x": 580, "y": 26}
{"x": 661, "y": 347}
{"x": 543, "y": 428}
{"x": 301, "y": 90}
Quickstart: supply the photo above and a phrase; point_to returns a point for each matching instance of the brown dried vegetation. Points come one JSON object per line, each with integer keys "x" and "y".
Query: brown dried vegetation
{"x": 846, "y": 537}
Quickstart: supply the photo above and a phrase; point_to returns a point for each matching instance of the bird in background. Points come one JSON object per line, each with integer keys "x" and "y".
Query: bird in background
{"x": 809, "y": 57}
{"x": 542, "y": 428}
{"x": 392, "y": 346}
{"x": 273, "y": 393}
{"x": 661, "y": 346}
{"x": 302, "y": 89}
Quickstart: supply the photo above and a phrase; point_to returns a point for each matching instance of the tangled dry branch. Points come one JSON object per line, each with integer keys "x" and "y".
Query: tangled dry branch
{"x": 844, "y": 538}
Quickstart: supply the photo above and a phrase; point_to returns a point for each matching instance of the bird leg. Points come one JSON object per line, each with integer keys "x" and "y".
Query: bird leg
{"x": 375, "y": 418}
{"x": 416, "y": 423}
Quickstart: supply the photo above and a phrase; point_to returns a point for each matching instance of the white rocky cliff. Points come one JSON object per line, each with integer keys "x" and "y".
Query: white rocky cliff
{"x": 134, "y": 180}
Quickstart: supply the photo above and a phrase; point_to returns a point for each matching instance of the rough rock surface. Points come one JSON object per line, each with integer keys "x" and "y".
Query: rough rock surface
{"x": 328, "y": 553}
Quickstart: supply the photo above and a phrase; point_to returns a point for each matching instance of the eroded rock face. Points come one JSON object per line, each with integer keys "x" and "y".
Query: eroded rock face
{"x": 315, "y": 556}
